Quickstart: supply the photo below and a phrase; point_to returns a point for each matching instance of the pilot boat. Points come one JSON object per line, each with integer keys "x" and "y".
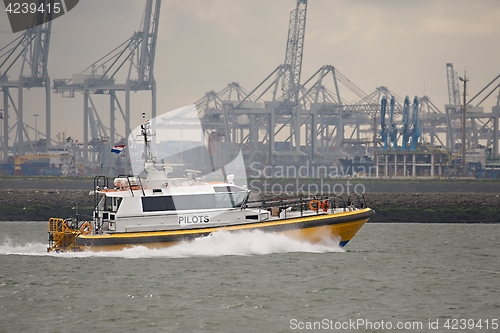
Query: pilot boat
{"x": 154, "y": 210}
{"x": 138, "y": 214}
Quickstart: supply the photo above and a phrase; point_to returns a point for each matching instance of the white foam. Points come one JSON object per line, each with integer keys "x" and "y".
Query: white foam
{"x": 26, "y": 249}
{"x": 217, "y": 244}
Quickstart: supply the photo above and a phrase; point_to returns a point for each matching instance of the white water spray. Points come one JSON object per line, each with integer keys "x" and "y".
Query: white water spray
{"x": 245, "y": 243}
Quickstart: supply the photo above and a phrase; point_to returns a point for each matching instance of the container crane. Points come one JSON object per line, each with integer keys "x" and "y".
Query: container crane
{"x": 393, "y": 131}
{"x": 137, "y": 52}
{"x": 385, "y": 129}
{"x": 415, "y": 131}
{"x": 30, "y": 52}
{"x": 389, "y": 131}
{"x": 406, "y": 124}
{"x": 285, "y": 110}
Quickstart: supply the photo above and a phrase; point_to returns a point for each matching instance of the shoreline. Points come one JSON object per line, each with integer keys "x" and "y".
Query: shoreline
{"x": 390, "y": 207}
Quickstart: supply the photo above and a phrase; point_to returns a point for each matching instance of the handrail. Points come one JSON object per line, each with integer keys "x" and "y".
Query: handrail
{"x": 142, "y": 187}
{"x": 360, "y": 204}
{"x": 62, "y": 236}
{"x": 99, "y": 182}
{"x": 334, "y": 202}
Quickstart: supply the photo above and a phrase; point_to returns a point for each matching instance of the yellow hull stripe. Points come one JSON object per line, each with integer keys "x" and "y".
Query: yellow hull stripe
{"x": 290, "y": 222}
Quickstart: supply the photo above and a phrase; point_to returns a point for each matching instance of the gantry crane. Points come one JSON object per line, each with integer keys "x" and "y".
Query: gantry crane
{"x": 284, "y": 109}
{"x": 389, "y": 132}
{"x": 307, "y": 117}
{"x": 405, "y": 131}
{"x": 28, "y": 53}
{"x": 410, "y": 131}
{"x": 483, "y": 125}
{"x": 100, "y": 78}
{"x": 490, "y": 125}
{"x": 384, "y": 133}
{"x": 393, "y": 132}
{"x": 415, "y": 130}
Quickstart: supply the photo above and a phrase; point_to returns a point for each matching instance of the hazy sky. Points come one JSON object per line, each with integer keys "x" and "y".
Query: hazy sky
{"x": 205, "y": 44}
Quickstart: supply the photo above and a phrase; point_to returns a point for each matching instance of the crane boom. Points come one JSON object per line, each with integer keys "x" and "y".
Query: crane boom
{"x": 453, "y": 87}
{"x": 148, "y": 46}
{"x": 294, "y": 52}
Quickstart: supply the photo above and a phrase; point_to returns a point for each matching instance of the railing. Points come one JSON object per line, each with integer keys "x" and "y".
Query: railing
{"x": 62, "y": 235}
{"x": 327, "y": 204}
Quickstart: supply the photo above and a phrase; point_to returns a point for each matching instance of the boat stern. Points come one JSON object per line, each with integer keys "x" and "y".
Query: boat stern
{"x": 62, "y": 235}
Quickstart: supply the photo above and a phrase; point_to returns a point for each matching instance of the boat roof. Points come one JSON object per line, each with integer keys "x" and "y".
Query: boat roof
{"x": 187, "y": 187}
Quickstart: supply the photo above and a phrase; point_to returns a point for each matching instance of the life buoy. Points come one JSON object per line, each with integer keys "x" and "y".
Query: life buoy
{"x": 325, "y": 205}
{"x": 86, "y": 228}
{"x": 314, "y": 204}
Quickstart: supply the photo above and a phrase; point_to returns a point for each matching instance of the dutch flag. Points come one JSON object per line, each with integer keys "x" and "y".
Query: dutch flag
{"x": 117, "y": 149}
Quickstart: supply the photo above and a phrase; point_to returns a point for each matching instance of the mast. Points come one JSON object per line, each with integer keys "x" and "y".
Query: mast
{"x": 147, "y": 143}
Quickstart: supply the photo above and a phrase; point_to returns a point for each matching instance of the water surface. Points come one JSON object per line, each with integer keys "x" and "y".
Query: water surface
{"x": 253, "y": 282}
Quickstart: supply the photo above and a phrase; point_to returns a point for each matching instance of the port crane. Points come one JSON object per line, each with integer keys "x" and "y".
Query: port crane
{"x": 389, "y": 133}
{"x": 136, "y": 56}
{"x": 28, "y": 53}
{"x": 405, "y": 131}
{"x": 410, "y": 131}
{"x": 384, "y": 133}
{"x": 491, "y": 125}
{"x": 393, "y": 131}
{"x": 415, "y": 130}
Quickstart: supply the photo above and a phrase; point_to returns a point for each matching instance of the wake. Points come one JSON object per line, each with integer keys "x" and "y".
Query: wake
{"x": 245, "y": 243}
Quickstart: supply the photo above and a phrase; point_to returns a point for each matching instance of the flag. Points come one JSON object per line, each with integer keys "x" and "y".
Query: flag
{"x": 117, "y": 149}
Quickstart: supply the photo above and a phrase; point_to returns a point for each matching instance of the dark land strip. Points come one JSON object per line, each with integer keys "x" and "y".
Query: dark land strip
{"x": 423, "y": 207}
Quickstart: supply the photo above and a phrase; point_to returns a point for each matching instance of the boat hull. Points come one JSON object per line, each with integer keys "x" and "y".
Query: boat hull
{"x": 342, "y": 226}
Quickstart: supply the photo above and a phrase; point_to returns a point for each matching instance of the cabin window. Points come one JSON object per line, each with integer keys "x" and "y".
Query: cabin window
{"x": 223, "y": 200}
{"x": 111, "y": 204}
{"x": 240, "y": 198}
{"x": 225, "y": 189}
{"x": 229, "y": 200}
{"x": 156, "y": 204}
{"x": 229, "y": 196}
{"x": 108, "y": 203}
{"x": 118, "y": 201}
{"x": 188, "y": 202}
